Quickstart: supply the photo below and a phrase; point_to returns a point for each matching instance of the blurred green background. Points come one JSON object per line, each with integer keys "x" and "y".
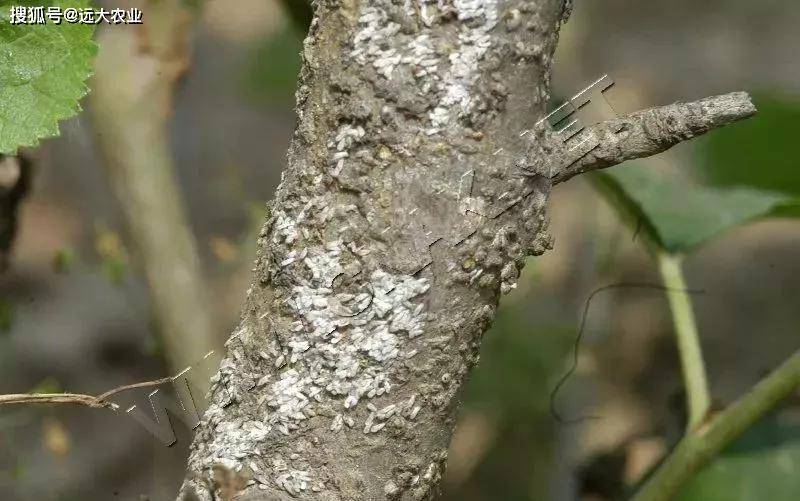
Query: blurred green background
{"x": 74, "y": 311}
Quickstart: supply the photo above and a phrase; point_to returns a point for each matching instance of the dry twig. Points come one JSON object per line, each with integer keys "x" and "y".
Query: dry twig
{"x": 98, "y": 402}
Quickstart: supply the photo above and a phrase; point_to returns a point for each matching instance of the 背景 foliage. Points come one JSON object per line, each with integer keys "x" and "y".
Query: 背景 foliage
{"x": 743, "y": 173}
{"x": 763, "y": 464}
{"x": 767, "y": 160}
{"x": 276, "y": 64}
{"x": 43, "y": 72}
{"x": 678, "y": 215}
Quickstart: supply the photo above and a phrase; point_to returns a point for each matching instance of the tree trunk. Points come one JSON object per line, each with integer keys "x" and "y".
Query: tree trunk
{"x": 400, "y": 219}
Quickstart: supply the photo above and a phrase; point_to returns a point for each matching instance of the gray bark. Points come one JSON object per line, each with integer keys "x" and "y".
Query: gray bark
{"x": 401, "y": 218}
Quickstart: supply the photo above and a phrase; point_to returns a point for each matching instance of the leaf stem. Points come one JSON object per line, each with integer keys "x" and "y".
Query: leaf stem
{"x": 700, "y": 445}
{"x": 694, "y": 372}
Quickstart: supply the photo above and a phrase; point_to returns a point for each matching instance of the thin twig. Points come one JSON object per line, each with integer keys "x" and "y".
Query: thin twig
{"x": 146, "y": 384}
{"x": 56, "y": 398}
{"x": 97, "y": 402}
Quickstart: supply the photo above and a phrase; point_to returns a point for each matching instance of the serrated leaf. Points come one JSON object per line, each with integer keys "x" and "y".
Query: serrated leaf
{"x": 677, "y": 214}
{"x": 762, "y": 465}
{"x": 43, "y": 72}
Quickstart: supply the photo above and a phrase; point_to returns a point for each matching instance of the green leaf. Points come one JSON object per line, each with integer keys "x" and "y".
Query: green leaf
{"x": 43, "y": 72}
{"x": 763, "y": 465}
{"x": 742, "y": 172}
{"x": 759, "y": 152}
{"x": 677, "y": 214}
{"x": 766, "y": 160}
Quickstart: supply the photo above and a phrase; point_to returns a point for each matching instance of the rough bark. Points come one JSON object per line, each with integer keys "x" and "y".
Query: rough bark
{"x": 410, "y": 201}
{"x": 136, "y": 73}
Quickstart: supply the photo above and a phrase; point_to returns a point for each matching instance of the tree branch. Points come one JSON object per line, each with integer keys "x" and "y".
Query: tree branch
{"x": 701, "y": 445}
{"x": 649, "y": 132}
{"x": 56, "y": 398}
{"x": 98, "y": 402}
{"x": 136, "y": 73}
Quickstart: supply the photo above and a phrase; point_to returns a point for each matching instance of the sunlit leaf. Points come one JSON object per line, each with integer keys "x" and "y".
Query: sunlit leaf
{"x": 43, "y": 72}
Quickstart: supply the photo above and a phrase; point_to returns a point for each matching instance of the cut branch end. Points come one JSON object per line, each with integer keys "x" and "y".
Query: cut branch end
{"x": 649, "y": 132}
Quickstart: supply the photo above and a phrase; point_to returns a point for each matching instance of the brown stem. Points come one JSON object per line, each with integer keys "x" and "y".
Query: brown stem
{"x": 98, "y": 402}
